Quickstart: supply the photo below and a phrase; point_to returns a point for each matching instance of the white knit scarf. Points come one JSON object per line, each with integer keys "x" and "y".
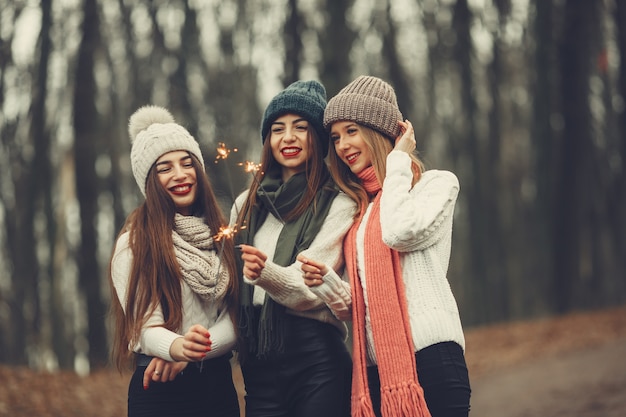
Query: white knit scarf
{"x": 199, "y": 261}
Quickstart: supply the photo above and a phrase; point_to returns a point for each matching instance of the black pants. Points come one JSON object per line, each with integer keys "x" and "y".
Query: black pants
{"x": 205, "y": 390}
{"x": 311, "y": 379}
{"x": 442, "y": 373}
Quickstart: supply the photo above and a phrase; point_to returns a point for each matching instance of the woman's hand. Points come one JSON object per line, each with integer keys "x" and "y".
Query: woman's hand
{"x": 193, "y": 346}
{"x": 160, "y": 370}
{"x": 313, "y": 272}
{"x": 197, "y": 342}
{"x": 406, "y": 141}
{"x": 253, "y": 261}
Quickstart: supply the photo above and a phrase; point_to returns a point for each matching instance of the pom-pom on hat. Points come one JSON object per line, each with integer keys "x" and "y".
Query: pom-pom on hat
{"x": 305, "y": 98}
{"x": 154, "y": 132}
{"x": 369, "y": 101}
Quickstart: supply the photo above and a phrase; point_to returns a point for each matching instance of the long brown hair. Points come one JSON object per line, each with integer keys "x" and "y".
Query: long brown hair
{"x": 316, "y": 172}
{"x": 155, "y": 276}
{"x": 379, "y": 147}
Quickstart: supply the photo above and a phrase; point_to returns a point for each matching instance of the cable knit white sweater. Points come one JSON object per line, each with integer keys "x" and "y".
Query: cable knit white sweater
{"x": 156, "y": 341}
{"x": 285, "y": 283}
{"x": 416, "y": 222}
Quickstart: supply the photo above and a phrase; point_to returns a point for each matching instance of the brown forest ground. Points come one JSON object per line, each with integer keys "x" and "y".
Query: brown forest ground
{"x": 551, "y": 367}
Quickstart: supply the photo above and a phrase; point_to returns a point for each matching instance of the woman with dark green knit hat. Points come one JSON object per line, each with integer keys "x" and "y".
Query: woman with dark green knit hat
{"x": 294, "y": 359}
{"x": 408, "y": 343}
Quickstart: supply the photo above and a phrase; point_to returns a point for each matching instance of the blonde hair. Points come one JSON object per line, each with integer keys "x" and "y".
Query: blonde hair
{"x": 379, "y": 147}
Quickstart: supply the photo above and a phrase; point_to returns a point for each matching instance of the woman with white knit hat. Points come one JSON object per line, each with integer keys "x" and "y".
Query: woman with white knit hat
{"x": 408, "y": 342}
{"x": 293, "y": 356}
{"x": 174, "y": 288}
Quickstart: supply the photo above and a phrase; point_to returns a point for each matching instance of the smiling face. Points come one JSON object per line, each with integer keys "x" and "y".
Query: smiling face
{"x": 177, "y": 176}
{"x": 350, "y": 146}
{"x": 289, "y": 140}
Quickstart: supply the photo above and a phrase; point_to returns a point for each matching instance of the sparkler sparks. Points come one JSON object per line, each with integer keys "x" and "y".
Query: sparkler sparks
{"x": 253, "y": 169}
{"x": 223, "y": 151}
{"x": 227, "y": 232}
{"x": 250, "y": 166}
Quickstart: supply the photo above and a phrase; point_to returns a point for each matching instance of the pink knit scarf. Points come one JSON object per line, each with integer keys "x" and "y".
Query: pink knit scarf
{"x": 401, "y": 394}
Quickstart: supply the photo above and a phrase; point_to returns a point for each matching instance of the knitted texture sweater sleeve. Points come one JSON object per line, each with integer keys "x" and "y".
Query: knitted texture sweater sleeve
{"x": 335, "y": 292}
{"x": 413, "y": 218}
{"x": 417, "y": 222}
{"x": 285, "y": 283}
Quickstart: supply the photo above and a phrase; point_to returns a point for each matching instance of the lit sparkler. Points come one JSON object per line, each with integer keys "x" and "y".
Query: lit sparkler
{"x": 253, "y": 169}
{"x": 222, "y": 153}
{"x": 225, "y": 232}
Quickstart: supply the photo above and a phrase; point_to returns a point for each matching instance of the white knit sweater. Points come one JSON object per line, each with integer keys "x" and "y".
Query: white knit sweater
{"x": 285, "y": 283}
{"x": 416, "y": 222}
{"x": 156, "y": 341}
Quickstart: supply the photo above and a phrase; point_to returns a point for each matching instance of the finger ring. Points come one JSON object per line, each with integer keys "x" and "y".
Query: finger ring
{"x": 157, "y": 373}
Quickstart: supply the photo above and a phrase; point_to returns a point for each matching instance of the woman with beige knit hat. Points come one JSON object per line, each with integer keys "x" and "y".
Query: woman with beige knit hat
{"x": 408, "y": 342}
{"x": 293, "y": 356}
{"x": 174, "y": 288}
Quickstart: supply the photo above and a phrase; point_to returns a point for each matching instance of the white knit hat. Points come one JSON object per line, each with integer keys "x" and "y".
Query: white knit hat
{"x": 153, "y": 132}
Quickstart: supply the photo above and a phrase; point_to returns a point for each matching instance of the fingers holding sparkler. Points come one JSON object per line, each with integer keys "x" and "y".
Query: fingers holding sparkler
{"x": 253, "y": 261}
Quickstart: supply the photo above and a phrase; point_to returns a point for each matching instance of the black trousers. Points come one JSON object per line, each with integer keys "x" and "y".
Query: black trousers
{"x": 203, "y": 389}
{"x": 442, "y": 373}
{"x": 311, "y": 379}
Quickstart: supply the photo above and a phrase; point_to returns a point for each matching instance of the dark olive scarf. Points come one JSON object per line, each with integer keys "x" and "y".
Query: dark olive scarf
{"x": 263, "y": 332}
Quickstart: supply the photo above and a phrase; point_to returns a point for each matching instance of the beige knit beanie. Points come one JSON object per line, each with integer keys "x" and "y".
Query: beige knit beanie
{"x": 369, "y": 101}
{"x": 153, "y": 132}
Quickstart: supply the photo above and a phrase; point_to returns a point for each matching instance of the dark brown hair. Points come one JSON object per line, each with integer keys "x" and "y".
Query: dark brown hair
{"x": 316, "y": 172}
{"x": 155, "y": 275}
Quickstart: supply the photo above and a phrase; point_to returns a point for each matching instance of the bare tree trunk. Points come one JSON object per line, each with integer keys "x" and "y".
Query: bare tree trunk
{"x": 397, "y": 77}
{"x": 20, "y": 207}
{"x": 336, "y": 43}
{"x": 543, "y": 145}
{"x": 86, "y": 148}
{"x": 473, "y": 149}
{"x": 55, "y": 313}
{"x": 232, "y": 99}
{"x": 618, "y": 191}
{"x": 293, "y": 43}
{"x": 494, "y": 180}
{"x": 575, "y": 150}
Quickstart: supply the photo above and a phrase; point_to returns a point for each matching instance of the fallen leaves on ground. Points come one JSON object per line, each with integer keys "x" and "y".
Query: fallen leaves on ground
{"x": 25, "y": 392}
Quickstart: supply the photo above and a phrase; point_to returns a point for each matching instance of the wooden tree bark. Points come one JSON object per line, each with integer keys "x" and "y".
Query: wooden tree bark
{"x": 86, "y": 148}
{"x": 232, "y": 99}
{"x": 293, "y": 43}
{"x": 56, "y": 313}
{"x": 575, "y": 150}
{"x": 19, "y": 208}
{"x": 473, "y": 186}
{"x": 617, "y": 192}
{"x": 397, "y": 77}
{"x": 543, "y": 145}
{"x": 336, "y": 42}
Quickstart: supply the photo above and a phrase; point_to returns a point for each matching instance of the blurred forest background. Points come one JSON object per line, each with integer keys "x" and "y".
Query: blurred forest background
{"x": 522, "y": 99}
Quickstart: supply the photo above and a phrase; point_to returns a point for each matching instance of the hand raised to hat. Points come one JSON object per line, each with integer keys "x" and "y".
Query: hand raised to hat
{"x": 405, "y": 142}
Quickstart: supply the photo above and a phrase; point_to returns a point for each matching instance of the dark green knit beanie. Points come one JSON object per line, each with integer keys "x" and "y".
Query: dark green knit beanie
{"x": 304, "y": 98}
